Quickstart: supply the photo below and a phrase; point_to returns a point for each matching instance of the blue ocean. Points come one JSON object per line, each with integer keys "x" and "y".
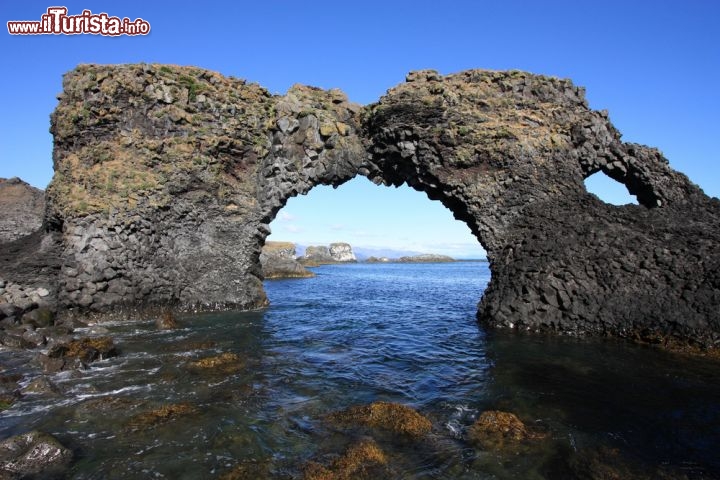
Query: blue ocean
{"x": 362, "y": 333}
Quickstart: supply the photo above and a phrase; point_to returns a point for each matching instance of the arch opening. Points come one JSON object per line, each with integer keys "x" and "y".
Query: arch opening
{"x": 609, "y": 190}
{"x": 374, "y": 219}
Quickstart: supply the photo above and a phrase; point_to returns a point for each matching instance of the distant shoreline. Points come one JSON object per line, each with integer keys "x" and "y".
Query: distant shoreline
{"x": 397, "y": 262}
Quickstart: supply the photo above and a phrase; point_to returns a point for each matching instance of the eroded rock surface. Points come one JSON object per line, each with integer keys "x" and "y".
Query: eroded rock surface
{"x": 166, "y": 179}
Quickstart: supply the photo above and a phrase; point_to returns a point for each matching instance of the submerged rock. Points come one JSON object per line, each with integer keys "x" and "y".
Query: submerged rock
{"x": 106, "y": 406}
{"x": 190, "y": 345}
{"x": 76, "y": 353}
{"x": 225, "y": 363}
{"x": 496, "y": 430}
{"x": 248, "y": 471}
{"x": 9, "y": 390}
{"x": 391, "y": 417}
{"x": 33, "y": 453}
{"x": 41, "y": 386}
{"x": 85, "y": 349}
{"x": 363, "y": 460}
{"x": 607, "y": 463}
{"x": 39, "y": 318}
{"x": 7, "y": 401}
{"x": 161, "y": 415}
{"x": 166, "y": 320}
{"x": 15, "y": 341}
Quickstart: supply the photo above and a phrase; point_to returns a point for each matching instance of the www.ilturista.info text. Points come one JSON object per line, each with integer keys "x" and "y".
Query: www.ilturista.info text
{"x": 57, "y": 22}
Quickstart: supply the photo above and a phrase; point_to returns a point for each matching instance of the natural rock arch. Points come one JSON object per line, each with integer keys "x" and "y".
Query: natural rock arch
{"x": 167, "y": 177}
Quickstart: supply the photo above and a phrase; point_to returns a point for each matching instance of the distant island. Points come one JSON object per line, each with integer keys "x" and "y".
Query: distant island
{"x": 280, "y": 259}
{"x": 422, "y": 258}
{"x": 339, "y": 252}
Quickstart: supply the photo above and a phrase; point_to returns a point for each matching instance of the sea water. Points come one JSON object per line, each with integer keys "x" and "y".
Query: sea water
{"x": 361, "y": 333}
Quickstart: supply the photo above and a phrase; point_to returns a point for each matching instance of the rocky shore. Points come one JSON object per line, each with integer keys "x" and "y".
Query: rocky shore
{"x": 279, "y": 260}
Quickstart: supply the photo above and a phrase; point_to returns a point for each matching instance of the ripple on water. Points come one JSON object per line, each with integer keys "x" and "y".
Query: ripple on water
{"x": 357, "y": 334}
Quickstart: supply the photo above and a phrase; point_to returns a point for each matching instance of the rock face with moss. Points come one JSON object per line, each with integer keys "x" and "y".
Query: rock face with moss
{"x": 166, "y": 179}
{"x": 507, "y": 152}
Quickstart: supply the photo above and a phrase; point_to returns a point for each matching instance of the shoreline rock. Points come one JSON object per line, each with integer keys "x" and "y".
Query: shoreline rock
{"x": 332, "y": 254}
{"x": 278, "y": 260}
{"x": 31, "y": 454}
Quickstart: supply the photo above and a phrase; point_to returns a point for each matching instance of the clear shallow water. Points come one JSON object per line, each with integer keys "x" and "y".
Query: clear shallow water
{"x": 362, "y": 333}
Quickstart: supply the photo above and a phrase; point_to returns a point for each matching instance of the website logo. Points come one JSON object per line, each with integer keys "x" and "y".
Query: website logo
{"x": 57, "y": 22}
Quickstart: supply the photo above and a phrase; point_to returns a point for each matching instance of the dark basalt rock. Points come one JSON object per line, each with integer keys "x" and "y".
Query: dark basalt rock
{"x": 166, "y": 179}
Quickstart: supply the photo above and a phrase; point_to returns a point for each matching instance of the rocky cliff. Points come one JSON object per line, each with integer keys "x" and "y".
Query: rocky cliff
{"x": 278, "y": 260}
{"x": 342, "y": 252}
{"x": 167, "y": 177}
{"x": 22, "y": 207}
{"x": 325, "y": 255}
{"x": 29, "y": 257}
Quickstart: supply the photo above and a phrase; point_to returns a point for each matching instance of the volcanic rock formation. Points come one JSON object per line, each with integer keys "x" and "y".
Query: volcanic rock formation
{"x": 166, "y": 179}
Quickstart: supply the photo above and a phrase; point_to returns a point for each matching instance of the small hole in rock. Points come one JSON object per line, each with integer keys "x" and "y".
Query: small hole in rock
{"x": 609, "y": 190}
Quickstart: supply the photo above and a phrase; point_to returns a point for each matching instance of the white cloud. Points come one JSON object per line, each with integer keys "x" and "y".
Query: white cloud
{"x": 292, "y": 228}
{"x": 285, "y": 217}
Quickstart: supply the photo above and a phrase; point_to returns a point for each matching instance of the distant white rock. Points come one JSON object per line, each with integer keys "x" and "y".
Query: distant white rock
{"x": 342, "y": 252}
{"x": 339, "y": 252}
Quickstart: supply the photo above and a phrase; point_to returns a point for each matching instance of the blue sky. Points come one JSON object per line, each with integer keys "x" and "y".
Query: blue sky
{"x": 654, "y": 65}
